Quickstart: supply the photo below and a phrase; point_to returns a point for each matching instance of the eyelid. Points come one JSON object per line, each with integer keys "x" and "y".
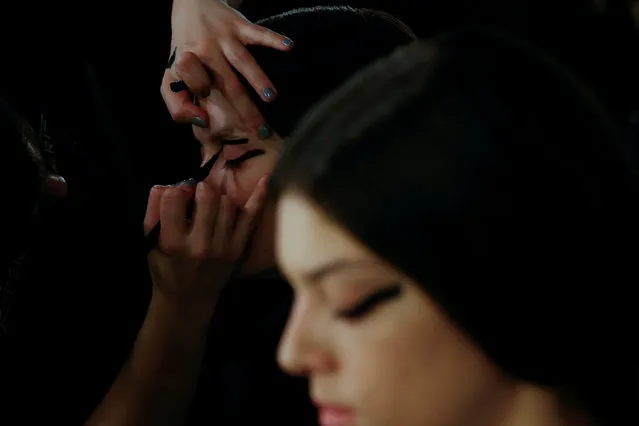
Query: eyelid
{"x": 252, "y": 153}
{"x": 370, "y": 302}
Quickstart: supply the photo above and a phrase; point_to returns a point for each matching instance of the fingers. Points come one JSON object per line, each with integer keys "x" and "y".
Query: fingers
{"x": 240, "y": 58}
{"x": 234, "y": 92}
{"x": 217, "y": 233}
{"x": 180, "y": 105}
{"x": 252, "y": 209}
{"x": 191, "y": 70}
{"x": 258, "y": 35}
{"x": 152, "y": 216}
{"x": 231, "y": 87}
{"x": 223, "y": 229}
{"x": 173, "y": 209}
{"x": 207, "y": 203}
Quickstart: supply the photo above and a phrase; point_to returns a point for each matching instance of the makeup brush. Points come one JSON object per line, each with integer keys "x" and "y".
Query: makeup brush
{"x": 152, "y": 238}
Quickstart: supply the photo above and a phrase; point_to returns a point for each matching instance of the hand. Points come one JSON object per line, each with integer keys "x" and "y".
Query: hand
{"x": 195, "y": 258}
{"x": 209, "y": 39}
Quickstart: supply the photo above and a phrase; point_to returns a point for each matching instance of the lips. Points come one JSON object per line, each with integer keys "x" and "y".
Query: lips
{"x": 333, "y": 415}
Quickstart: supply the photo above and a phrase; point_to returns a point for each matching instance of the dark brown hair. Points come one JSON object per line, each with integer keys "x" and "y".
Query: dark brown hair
{"x": 331, "y": 44}
{"x": 484, "y": 170}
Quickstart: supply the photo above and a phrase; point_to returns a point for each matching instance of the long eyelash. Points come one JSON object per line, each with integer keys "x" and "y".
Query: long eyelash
{"x": 371, "y": 302}
{"x": 242, "y": 158}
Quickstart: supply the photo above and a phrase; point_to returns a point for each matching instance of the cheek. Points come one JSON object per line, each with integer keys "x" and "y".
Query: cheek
{"x": 240, "y": 183}
{"x": 380, "y": 364}
{"x": 408, "y": 366}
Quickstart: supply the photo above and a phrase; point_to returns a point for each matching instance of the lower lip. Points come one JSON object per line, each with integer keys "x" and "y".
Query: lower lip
{"x": 336, "y": 417}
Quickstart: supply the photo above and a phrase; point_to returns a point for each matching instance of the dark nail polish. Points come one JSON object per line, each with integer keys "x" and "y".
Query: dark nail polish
{"x": 199, "y": 122}
{"x": 287, "y": 42}
{"x": 268, "y": 93}
{"x": 190, "y": 182}
{"x": 178, "y": 86}
{"x": 265, "y": 131}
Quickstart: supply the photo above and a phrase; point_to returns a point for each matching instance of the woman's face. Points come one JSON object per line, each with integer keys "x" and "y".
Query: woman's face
{"x": 376, "y": 349}
{"x": 239, "y": 168}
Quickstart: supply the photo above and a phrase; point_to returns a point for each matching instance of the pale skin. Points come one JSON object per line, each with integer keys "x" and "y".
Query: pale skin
{"x": 238, "y": 182}
{"x": 400, "y": 363}
{"x": 194, "y": 263}
{"x": 211, "y": 35}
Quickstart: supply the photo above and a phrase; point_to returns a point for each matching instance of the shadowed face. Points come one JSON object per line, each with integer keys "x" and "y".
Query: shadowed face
{"x": 376, "y": 349}
{"x": 244, "y": 160}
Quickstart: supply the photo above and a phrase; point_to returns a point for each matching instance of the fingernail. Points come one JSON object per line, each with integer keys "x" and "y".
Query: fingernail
{"x": 199, "y": 122}
{"x": 189, "y": 182}
{"x": 287, "y": 42}
{"x": 268, "y": 93}
{"x": 265, "y": 131}
{"x": 56, "y": 186}
{"x": 178, "y": 86}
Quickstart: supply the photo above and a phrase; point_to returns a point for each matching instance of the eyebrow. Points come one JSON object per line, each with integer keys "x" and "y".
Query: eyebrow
{"x": 333, "y": 267}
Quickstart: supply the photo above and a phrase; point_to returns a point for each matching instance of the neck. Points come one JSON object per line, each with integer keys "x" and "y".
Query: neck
{"x": 534, "y": 406}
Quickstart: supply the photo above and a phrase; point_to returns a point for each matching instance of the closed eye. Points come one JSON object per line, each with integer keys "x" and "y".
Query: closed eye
{"x": 371, "y": 302}
{"x": 236, "y": 162}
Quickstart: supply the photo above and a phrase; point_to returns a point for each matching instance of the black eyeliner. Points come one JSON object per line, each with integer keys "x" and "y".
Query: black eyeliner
{"x": 370, "y": 302}
{"x": 152, "y": 238}
{"x": 242, "y": 158}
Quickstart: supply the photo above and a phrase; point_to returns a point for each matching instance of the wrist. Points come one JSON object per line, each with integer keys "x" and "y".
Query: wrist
{"x": 181, "y": 315}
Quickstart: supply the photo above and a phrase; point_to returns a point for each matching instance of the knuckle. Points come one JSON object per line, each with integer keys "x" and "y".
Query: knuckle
{"x": 232, "y": 55}
{"x": 182, "y": 65}
{"x": 203, "y": 48}
{"x": 233, "y": 87}
{"x": 243, "y": 55}
{"x": 258, "y": 29}
{"x": 185, "y": 59}
{"x": 200, "y": 252}
{"x": 170, "y": 247}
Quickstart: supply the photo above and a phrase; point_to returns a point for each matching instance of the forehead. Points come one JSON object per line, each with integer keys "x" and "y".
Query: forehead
{"x": 306, "y": 237}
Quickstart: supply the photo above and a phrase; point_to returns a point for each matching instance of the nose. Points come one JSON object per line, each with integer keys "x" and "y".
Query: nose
{"x": 223, "y": 119}
{"x": 220, "y": 123}
{"x": 301, "y": 351}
